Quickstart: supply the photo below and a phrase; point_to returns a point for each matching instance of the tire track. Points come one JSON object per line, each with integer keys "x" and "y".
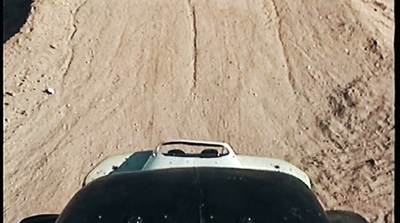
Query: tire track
{"x": 71, "y": 50}
{"x": 288, "y": 67}
{"x": 192, "y": 17}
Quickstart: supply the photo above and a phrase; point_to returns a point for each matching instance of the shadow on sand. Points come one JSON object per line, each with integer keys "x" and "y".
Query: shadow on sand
{"x": 15, "y": 13}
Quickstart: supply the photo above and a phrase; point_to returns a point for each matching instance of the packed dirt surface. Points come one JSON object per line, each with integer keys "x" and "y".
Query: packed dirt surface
{"x": 310, "y": 82}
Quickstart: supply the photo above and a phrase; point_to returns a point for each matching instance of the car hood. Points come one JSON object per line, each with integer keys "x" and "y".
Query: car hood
{"x": 195, "y": 195}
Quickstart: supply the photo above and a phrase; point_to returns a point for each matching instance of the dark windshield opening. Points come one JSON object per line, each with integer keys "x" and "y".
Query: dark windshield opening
{"x": 206, "y": 153}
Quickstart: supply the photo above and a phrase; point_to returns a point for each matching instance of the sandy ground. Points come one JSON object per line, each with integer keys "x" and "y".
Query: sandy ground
{"x": 310, "y": 82}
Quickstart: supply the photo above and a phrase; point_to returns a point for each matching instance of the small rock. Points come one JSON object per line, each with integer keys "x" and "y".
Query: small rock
{"x": 377, "y": 65}
{"x": 309, "y": 67}
{"x": 68, "y": 105}
{"x": 10, "y": 93}
{"x": 370, "y": 162}
{"x": 50, "y": 91}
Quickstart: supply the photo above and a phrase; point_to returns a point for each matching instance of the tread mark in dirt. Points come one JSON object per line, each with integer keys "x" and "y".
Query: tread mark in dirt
{"x": 71, "y": 54}
{"x": 288, "y": 67}
{"x": 194, "y": 27}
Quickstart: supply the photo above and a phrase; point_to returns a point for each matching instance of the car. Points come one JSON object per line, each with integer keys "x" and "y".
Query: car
{"x": 207, "y": 183}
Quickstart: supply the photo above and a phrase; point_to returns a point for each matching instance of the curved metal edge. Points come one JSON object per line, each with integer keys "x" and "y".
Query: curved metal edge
{"x": 105, "y": 167}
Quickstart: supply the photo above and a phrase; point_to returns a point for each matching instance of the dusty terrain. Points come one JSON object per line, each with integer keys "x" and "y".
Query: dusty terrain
{"x": 310, "y": 82}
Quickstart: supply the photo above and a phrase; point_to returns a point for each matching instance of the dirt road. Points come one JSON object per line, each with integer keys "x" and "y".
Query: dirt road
{"x": 310, "y": 82}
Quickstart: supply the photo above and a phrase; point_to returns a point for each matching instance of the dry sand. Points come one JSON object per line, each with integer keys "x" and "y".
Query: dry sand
{"x": 310, "y": 82}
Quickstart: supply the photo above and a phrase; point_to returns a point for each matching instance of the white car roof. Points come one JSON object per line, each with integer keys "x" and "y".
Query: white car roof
{"x": 152, "y": 160}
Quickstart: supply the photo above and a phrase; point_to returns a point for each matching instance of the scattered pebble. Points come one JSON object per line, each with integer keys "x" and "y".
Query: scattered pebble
{"x": 371, "y": 162}
{"x": 65, "y": 127}
{"x": 68, "y": 105}
{"x": 309, "y": 67}
{"x": 50, "y": 91}
{"x": 10, "y": 93}
{"x": 377, "y": 65}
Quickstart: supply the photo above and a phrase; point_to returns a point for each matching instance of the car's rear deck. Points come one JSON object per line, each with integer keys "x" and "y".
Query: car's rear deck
{"x": 198, "y": 194}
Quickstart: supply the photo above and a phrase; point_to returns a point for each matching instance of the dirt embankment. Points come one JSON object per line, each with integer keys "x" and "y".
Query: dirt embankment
{"x": 309, "y": 81}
